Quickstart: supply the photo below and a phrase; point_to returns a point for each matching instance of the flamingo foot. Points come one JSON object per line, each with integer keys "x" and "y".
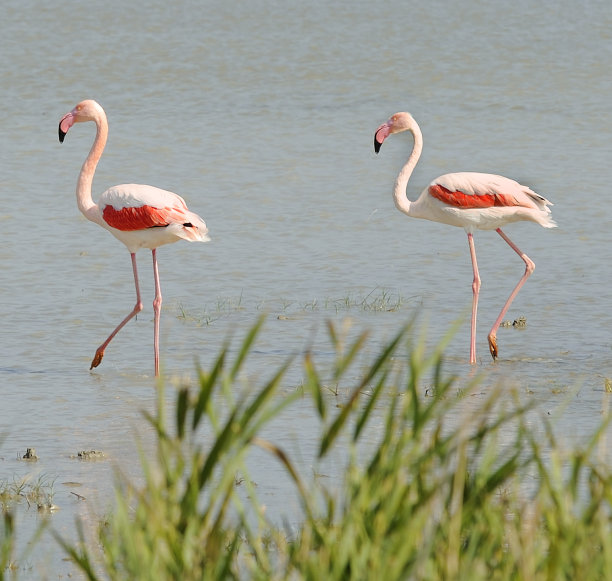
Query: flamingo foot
{"x": 97, "y": 358}
{"x": 493, "y": 346}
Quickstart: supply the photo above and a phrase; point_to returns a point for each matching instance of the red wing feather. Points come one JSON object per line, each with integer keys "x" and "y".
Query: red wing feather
{"x": 459, "y": 199}
{"x": 141, "y": 217}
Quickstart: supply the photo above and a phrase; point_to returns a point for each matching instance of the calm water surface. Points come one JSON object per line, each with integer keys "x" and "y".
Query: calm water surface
{"x": 262, "y": 116}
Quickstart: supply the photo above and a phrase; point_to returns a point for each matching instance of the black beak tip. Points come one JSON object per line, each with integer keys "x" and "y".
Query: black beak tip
{"x": 376, "y": 145}
{"x": 61, "y": 134}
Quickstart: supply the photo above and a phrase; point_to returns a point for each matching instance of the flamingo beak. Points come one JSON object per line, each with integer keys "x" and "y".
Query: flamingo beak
{"x": 381, "y": 134}
{"x": 66, "y": 123}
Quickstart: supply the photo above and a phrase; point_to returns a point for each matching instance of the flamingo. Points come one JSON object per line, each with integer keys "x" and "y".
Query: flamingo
{"x": 470, "y": 201}
{"x": 139, "y": 216}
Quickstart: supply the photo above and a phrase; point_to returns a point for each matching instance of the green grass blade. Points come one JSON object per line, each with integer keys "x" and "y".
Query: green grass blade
{"x": 182, "y": 403}
{"x": 246, "y": 347}
{"x": 337, "y": 425}
{"x": 207, "y": 385}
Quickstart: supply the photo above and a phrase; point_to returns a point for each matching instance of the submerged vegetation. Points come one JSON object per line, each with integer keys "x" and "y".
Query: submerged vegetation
{"x": 376, "y": 300}
{"x": 37, "y": 493}
{"x": 437, "y": 484}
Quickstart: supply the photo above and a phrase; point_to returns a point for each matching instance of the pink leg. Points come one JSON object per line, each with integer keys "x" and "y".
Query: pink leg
{"x": 157, "y": 301}
{"x": 475, "y": 292}
{"x": 529, "y": 268}
{"x": 137, "y": 308}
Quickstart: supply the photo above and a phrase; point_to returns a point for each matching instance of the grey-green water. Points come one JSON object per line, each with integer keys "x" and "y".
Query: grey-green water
{"x": 261, "y": 115}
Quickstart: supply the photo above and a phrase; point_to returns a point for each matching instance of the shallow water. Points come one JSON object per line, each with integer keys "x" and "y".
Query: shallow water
{"x": 262, "y": 116}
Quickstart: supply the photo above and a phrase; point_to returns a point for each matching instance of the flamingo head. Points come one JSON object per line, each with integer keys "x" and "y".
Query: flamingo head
{"x": 87, "y": 110}
{"x": 395, "y": 124}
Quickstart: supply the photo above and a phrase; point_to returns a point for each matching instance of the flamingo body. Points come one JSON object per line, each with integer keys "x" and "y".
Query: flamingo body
{"x": 138, "y": 215}
{"x": 147, "y": 217}
{"x": 480, "y": 201}
{"x": 470, "y": 200}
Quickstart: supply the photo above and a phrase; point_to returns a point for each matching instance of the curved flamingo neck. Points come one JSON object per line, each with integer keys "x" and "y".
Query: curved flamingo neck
{"x": 83, "y": 192}
{"x": 400, "y": 197}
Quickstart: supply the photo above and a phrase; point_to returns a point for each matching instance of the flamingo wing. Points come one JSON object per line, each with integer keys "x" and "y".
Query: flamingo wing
{"x": 478, "y": 190}
{"x": 136, "y": 207}
{"x": 142, "y": 217}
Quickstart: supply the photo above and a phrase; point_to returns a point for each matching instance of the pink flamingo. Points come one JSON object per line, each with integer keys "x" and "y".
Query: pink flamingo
{"x": 471, "y": 201}
{"x": 139, "y": 216}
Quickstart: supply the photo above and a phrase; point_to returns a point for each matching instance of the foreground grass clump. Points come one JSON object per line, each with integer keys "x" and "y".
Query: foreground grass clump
{"x": 444, "y": 486}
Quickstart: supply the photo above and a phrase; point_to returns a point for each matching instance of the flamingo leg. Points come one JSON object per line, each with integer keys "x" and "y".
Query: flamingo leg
{"x": 157, "y": 302}
{"x": 529, "y": 268}
{"x": 137, "y": 308}
{"x": 475, "y": 292}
